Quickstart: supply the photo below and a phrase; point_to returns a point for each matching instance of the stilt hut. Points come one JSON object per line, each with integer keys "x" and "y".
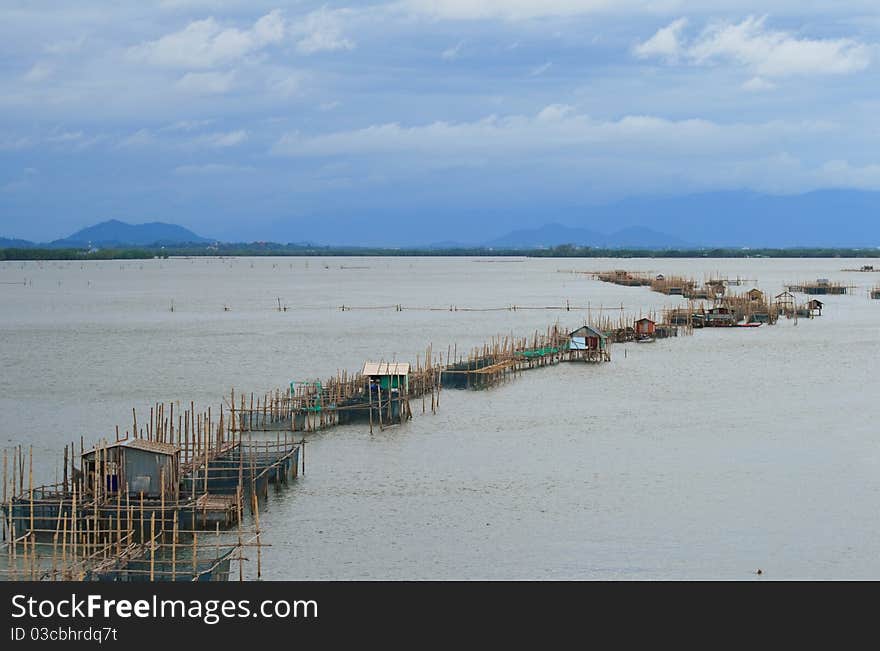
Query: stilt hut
{"x": 148, "y": 467}
{"x": 755, "y": 295}
{"x": 645, "y": 327}
{"x": 589, "y": 344}
{"x": 720, "y": 317}
{"x": 388, "y": 375}
{"x": 815, "y": 307}
{"x": 785, "y": 302}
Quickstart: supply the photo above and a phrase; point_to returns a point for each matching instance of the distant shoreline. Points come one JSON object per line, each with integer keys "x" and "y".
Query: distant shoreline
{"x": 562, "y": 251}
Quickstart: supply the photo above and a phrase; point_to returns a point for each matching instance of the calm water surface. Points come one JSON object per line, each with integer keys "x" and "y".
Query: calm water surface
{"x": 700, "y": 457}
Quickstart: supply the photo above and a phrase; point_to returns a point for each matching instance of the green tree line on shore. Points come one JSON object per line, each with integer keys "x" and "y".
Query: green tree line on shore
{"x": 561, "y": 251}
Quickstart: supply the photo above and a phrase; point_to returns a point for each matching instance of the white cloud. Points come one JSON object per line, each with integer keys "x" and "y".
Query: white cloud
{"x": 205, "y": 43}
{"x": 508, "y": 9}
{"x": 229, "y": 139}
{"x": 13, "y": 143}
{"x": 39, "y": 71}
{"x": 766, "y": 52}
{"x": 140, "y": 138}
{"x": 206, "y": 83}
{"x": 212, "y": 168}
{"x": 452, "y": 53}
{"x": 666, "y": 43}
{"x": 777, "y": 53}
{"x": 839, "y": 173}
{"x": 284, "y": 84}
{"x": 65, "y": 136}
{"x": 220, "y": 139}
{"x": 557, "y": 128}
{"x": 322, "y": 31}
{"x": 758, "y": 84}
{"x": 555, "y": 112}
{"x": 540, "y": 70}
{"x": 651, "y": 153}
{"x": 68, "y": 46}
{"x": 186, "y": 125}
{"x": 515, "y": 10}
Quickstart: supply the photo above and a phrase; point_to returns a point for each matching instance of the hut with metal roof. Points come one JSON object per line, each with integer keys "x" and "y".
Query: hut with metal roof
{"x": 143, "y": 466}
{"x": 388, "y": 375}
{"x": 588, "y": 344}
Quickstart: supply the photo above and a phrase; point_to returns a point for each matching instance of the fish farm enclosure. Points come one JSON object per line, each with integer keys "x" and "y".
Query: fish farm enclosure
{"x": 184, "y": 404}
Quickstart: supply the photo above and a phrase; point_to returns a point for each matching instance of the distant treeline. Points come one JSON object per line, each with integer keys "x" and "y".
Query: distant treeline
{"x": 562, "y": 251}
{"x": 78, "y": 254}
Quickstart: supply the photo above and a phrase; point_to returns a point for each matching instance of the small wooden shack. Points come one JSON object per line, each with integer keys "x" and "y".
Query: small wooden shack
{"x": 587, "y": 338}
{"x": 720, "y": 317}
{"x": 815, "y": 307}
{"x": 388, "y": 375}
{"x": 755, "y": 295}
{"x": 645, "y": 327}
{"x": 143, "y": 466}
{"x": 785, "y": 301}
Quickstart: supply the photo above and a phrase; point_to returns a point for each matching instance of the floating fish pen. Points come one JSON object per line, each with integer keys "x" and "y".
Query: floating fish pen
{"x": 687, "y": 318}
{"x": 712, "y": 289}
{"x": 727, "y": 311}
{"x": 821, "y": 286}
{"x": 380, "y": 393}
{"x": 665, "y": 331}
{"x": 78, "y": 549}
{"x": 673, "y": 285}
{"x": 622, "y": 277}
{"x": 699, "y": 293}
{"x": 681, "y": 316}
{"x": 669, "y": 285}
{"x": 126, "y": 510}
{"x": 206, "y": 560}
{"x": 751, "y": 307}
{"x": 622, "y": 335}
{"x": 504, "y": 357}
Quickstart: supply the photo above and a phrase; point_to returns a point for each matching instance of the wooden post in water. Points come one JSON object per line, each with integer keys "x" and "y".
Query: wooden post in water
{"x": 152, "y": 546}
{"x": 369, "y": 393}
{"x": 174, "y": 548}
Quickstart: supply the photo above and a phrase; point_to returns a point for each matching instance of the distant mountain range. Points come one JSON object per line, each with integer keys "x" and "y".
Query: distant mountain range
{"x": 6, "y": 243}
{"x": 114, "y": 233}
{"x": 556, "y": 234}
{"x": 821, "y": 219}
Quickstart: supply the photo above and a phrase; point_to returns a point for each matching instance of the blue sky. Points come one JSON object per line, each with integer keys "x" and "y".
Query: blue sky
{"x": 436, "y": 119}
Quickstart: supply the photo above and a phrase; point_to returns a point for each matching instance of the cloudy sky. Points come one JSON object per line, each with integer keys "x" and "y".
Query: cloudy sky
{"x": 441, "y": 119}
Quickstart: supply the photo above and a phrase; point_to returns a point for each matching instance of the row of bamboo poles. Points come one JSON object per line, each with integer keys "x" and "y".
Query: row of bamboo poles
{"x": 715, "y": 297}
{"x": 97, "y": 535}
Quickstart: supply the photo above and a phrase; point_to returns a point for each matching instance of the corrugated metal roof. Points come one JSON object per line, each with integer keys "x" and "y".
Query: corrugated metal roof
{"x": 585, "y": 329}
{"x": 142, "y": 444}
{"x": 385, "y": 368}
